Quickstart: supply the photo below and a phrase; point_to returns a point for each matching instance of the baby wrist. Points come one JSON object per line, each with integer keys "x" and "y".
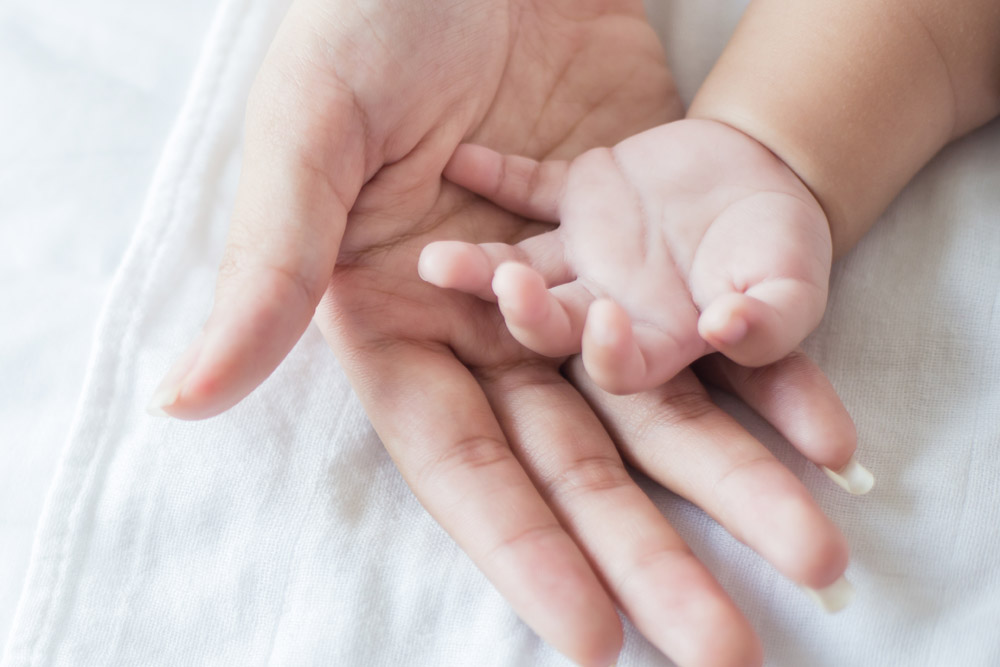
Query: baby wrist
{"x": 854, "y": 123}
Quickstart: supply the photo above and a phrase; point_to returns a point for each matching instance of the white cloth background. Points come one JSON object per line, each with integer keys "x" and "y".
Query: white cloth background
{"x": 88, "y": 92}
{"x": 280, "y": 533}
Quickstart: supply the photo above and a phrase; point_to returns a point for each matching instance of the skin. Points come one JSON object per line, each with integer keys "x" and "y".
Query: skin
{"x": 679, "y": 241}
{"x": 639, "y": 267}
{"x": 857, "y": 96}
{"x": 353, "y": 117}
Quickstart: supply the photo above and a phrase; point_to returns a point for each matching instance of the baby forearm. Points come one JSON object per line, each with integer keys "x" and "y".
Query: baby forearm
{"x": 855, "y": 95}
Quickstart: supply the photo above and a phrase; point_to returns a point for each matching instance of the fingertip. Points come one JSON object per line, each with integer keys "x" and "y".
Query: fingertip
{"x": 250, "y": 331}
{"x": 606, "y": 327}
{"x": 201, "y": 393}
{"x": 806, "y": 409}
{"x": 852, "y": 477}
{"x": 555, "y": 590}
{"x": 796, "y": 397}
{"x": 602, "y": 647}
{"x": 725, "y": 639}
{"x": 829, "y": 561}
{"x": 428, "y": 263}
{"x": 722, "y": 325}
{"x": 165, "y": 398}
{"x": 777, "y": 517}
{"x": 470, "y": 167}
{"x": 547, "y": 321}
{"x": 813, "y": 552}
{"x": 513, "y": 273}
{"x": 746, "y": 330}
{"x": 708, "y": 628}
{"x": 455, "y": 265}
{"x": 521, "y": 293}
{"x": 733, "y": 642}
{"x": 749, "y": 652}
{"x": 436, "y": 262}
{"x": 533, "y": 316}
{"x": 162, "y": 400}
{"x": 626, "y": 359}
{"x": 610, "y": 355}
{"x": 211, "y": 388}
{"x": 832, "y": 598}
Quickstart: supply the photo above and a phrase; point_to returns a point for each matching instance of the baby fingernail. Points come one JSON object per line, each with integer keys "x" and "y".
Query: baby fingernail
{"x": 425, "y": 267}
{"x": 723, "y": 326}
{"x": 732, "y": 331}
{"x": 853, "y": 478}
{"x": 602, "y": 334}
{"x": 600, "y": 325}
{"x": 834, "y": 597}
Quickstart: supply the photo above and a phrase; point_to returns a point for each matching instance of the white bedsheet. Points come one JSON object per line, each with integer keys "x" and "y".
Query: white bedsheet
{"x": 280, "y": 533}
{"x": 88, "y": 92}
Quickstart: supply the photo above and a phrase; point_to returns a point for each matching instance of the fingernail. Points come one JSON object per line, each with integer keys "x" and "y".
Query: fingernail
{"x": 425, "y": 264}
{"x": 732, "y": 330}
{"x": 853, "y": 478}
{"x": 602, "y": 334}
{"x": 834, "y": 597}
{"x": 723, "y": 326}
{"x": 499, "y": 283}
{"x": 163, "y": 397}
{"x": 422, "y": 267}
{"x": 599, "y": 327}
{"x": 169, "y": 389}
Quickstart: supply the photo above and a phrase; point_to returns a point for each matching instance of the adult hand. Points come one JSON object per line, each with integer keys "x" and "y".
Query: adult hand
{"x": 355, "y": 113}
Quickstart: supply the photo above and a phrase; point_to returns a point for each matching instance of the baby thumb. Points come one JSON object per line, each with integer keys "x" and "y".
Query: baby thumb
{"x": 765, "y": 323}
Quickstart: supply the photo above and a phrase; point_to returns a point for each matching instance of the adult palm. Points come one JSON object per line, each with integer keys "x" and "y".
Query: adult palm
{"x": 353, "y": 117}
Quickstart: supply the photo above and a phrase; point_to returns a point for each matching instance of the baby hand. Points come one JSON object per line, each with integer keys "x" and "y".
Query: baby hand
{"x": 689, "y": 238}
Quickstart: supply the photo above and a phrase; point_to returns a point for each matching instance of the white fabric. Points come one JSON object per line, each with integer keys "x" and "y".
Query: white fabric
{"x": 88, "y": 92}
{"x": 280, "y": 532}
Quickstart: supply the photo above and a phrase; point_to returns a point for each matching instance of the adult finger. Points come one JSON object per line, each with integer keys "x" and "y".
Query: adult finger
{"x": 303, "y": 166}
{"x": 438, "y": 427}
{"x": 679, "y": 438}
{"x": 657, "y": 581}
{"x": 797, "y": 399}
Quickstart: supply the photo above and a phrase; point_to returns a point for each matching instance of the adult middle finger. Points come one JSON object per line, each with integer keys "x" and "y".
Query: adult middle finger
{"x": 646, "y": 566}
